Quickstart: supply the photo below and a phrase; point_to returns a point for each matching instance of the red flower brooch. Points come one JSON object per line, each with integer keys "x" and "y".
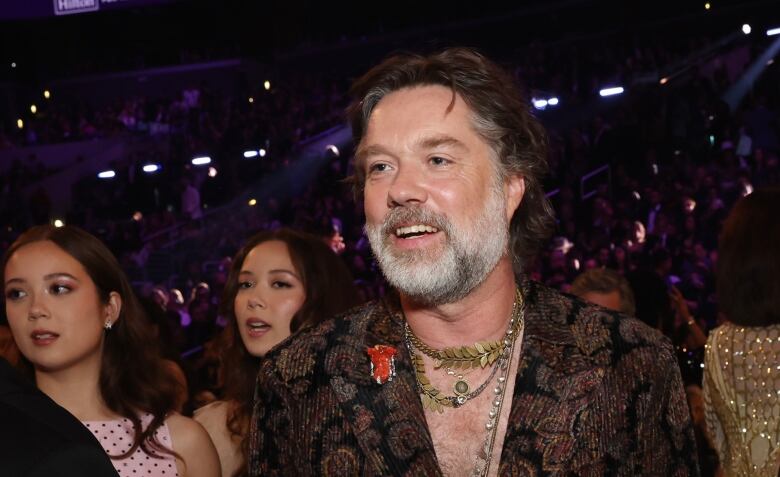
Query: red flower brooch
{"x": 382, "y": 363}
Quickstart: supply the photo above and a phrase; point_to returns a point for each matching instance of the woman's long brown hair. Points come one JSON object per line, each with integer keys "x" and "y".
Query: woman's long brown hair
{"x": 329, "y": 290}
{"x": 132, "y": 377}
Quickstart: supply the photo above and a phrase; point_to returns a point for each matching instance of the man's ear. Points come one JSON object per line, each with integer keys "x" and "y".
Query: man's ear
{"x": 514, "y": 190}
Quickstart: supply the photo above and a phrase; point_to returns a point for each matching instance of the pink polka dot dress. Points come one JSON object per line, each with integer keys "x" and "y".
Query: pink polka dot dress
{"x": 116, "y": 437}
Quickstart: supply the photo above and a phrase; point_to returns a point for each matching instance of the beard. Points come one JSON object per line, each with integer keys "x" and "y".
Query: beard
{"x": 446, "y": 273}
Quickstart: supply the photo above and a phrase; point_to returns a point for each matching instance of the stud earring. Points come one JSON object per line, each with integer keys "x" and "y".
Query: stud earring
{"x": 108, "y": 325}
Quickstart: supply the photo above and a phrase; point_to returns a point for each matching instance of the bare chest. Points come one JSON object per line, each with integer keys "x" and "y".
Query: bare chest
{"x": 459, "y": 435}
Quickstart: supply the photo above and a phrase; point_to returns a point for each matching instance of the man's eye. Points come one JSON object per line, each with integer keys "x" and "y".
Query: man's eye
{"x": 378, "y": 167}
{"x": 439, "y": 161}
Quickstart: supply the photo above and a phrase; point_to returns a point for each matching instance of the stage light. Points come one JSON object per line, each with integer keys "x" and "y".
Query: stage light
{"x": 251, "y": 99}
{"x": 539, "y": 103}
{"x": 201, "y": 161}
{"x": 137, "y": 216}
{"x": 664, "y": 80}
{"x": 770, "y": 62}
{"x": 19, "y": 123}
{"x": 707, "y": 6}
{"x": 773, "y": 32}
{"x": 250, "y": 154}
{"x": 611, "y": 91}
{"x": 262, "y": 152}
{"x": 33, "y": 108}
{"x": 46, "y": 94}
{"x": 109, "y": 174}
{"x": 13, "y": 64}
{"x": 267, "y": 85}
{"x": 212, "y": 172}
{"x": 252, "y": 202}
{"x": 150, "y": 168}
{"x": 746, "y": 29}
{"x": 332, "y": 149}
{"x": 553, "y": 101}
{"x": 58, "y": 223}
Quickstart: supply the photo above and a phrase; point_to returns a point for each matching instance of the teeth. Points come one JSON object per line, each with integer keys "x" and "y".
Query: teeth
{"x": 258, "y": 325}
{"x": 44, "y": 336}
{"x": 414, "y": 229}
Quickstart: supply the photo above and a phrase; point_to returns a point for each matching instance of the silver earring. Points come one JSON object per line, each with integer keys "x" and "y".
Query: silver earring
{"x": 108, "y": 325}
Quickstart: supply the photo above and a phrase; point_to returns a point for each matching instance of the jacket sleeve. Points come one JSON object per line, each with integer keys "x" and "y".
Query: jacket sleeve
{"x": 272, "y": 446}
{"x": 666, "y": 438}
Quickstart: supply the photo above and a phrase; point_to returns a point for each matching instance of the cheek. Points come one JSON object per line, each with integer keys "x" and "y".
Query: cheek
{"x": 374, "y": 203}
{"x": 288, "y": 307}
{"x": 16, "y": 314}
{"x": 239, "y": 305}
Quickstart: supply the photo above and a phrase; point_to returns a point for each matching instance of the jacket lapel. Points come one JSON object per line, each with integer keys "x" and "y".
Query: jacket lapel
{"x": 387, "y": 419}
{"x": 556, "y": 375}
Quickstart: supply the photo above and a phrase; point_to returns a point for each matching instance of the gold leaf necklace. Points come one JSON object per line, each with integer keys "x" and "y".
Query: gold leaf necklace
{"x": 480, "y": 355}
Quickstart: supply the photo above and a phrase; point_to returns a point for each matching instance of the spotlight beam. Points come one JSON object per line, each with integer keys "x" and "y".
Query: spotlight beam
{"x": 736, "y": 92}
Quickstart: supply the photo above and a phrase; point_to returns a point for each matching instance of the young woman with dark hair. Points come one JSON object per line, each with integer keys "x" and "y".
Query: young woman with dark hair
{"x": 84, "y": 338}
{"x": 280, "y": 281}
{"x": 742, "y": 362}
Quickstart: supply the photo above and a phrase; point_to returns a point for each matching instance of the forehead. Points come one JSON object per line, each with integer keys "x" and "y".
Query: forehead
{"x": 42, "y": 258}
{"x": 409, "y": 116}
{"x": 269, "y": 255}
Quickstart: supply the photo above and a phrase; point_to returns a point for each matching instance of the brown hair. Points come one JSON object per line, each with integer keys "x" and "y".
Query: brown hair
{"x": 501, "y": 115}
{"x": 748, "y": 268}
{"x": 132, "y": 377}
{"x": 604, "y": 280}
{"x": 329, "y": 290}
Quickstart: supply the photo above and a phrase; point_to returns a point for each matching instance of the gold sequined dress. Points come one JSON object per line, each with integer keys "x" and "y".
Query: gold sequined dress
{"x": 742, "y": 398}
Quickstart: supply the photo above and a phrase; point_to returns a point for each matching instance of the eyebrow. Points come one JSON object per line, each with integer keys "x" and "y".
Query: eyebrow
{"x": 363, "y": 152}
{"x": 431, "y": 142}
{"x": 441, "y": 140}
{"x": 50, "y": 276}
{"x": 58, "y": 275}
{"x": 277, "y": 270}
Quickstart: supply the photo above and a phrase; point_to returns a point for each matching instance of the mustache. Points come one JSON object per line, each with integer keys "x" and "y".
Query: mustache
{"x": 401, "y": 216}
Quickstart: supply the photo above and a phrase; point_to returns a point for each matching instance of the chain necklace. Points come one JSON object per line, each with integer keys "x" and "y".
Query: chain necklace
{"x": 434, "y": 399}
{"x": 481, "y": 354}
{"x": 482, "y": 464}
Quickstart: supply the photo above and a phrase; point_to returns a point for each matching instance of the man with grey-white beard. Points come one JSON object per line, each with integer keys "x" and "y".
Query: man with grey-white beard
{"x": 468, "y": 368}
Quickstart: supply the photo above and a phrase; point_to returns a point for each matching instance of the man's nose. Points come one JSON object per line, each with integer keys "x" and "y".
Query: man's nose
{"x": 408, "y": 188}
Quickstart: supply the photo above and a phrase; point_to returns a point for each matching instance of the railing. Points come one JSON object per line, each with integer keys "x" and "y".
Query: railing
{"x": 605, "y": 169}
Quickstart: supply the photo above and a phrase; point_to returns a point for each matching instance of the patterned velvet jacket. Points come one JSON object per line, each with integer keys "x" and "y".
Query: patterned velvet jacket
{"x": 596, "y": 394}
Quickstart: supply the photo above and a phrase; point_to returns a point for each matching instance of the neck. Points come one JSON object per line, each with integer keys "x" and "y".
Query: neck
{"x": 482, "y": 315}
{"x": 77, "y": 390}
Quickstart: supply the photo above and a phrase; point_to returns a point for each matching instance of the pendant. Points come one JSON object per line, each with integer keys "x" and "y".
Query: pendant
{"x": 461, "y": 388}
{"x": 382, "y": 363}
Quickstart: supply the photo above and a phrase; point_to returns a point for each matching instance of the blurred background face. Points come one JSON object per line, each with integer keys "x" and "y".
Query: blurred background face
{"x": 53, "y": 308}
{"x": 270, "y": 293}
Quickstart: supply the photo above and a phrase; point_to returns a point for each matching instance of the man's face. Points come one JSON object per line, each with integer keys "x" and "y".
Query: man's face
{"x": 436, "y": 212}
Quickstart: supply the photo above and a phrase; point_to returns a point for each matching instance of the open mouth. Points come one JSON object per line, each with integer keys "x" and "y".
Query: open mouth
{"x": 414, "y": 231}
{"x": 43, "y": 337}
{"x": 257, "y": 327}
